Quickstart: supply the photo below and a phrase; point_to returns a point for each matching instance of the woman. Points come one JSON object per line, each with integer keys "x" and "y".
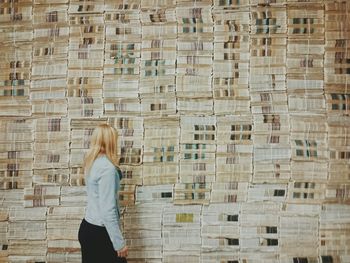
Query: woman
{"x": 99, "y": 234}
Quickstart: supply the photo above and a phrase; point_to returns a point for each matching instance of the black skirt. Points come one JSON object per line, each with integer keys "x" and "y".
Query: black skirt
{"x": 96, "y": 246}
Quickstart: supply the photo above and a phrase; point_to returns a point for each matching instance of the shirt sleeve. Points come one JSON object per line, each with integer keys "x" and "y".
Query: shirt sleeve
{"x": 108, "y": 187}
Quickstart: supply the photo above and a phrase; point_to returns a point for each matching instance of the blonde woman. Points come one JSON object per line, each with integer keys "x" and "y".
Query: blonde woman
{"x": 99, "y": 234}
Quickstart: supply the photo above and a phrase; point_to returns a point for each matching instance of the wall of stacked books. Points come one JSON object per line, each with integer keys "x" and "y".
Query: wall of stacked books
{"x": 233, "y": 116}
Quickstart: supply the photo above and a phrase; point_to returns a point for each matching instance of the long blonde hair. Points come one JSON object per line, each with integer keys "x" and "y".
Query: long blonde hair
{"x": 103, "y": 141}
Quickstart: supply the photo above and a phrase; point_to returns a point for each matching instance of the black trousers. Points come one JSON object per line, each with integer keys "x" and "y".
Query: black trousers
{"x": 96, "y": 246}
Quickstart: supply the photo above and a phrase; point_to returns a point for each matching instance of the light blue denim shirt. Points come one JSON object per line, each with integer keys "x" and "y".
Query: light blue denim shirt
{"x": 102, "y": 185}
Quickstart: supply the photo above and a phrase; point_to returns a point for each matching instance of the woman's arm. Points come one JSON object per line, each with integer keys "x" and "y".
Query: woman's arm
{"x": 108, "y": 185}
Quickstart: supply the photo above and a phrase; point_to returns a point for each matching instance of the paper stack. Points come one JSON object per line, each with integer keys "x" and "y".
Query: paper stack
{"x": 62, "y": 231}
{"x": 161, "y": 151}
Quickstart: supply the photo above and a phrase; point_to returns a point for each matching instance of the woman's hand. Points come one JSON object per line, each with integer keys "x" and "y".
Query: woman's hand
{"x": 123, "y": 253}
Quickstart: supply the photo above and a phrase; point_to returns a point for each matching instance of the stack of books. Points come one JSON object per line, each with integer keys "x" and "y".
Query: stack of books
{"x": 50, "y": 59}
{"x": 16, "y": 153}
{"x": 62, "y": 231}
{"x": 161, "y": 151}
{"x": 181, "y": 234}
{"x": 16, "y": 57}
{"x": 336, "y": 75}
{"x": 27, "y": 224}
{"x": 334, "y": 232}
{"x": 194, "y": 57}
{"x": 231, "y": 58}
{"x": 130, "y": 139}
{"x": 259, "y": 228}
{"x": 158, "y": 58}
{"x": 85, "y": 60}
{"x": 122, "y": 59}
{"x": 220, "y": 232}
{"x": 144, "y": 239}
{"x": 234, "y": 155}
{"x": 51, "y": 149}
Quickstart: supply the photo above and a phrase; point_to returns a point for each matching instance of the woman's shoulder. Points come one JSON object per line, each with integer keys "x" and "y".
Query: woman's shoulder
{"x": 104, "y": 162}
